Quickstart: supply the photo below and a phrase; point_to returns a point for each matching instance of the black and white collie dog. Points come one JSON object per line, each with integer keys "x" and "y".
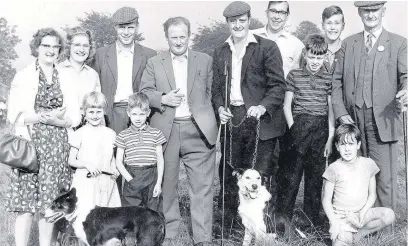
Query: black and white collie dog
{"x": 96, "y": 226}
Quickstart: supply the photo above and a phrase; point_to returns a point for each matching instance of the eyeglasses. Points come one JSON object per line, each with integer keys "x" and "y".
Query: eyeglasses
{"x": 54, "y": 47}
{"x": 85, "y": 46}
{"x": 278, "y": 12}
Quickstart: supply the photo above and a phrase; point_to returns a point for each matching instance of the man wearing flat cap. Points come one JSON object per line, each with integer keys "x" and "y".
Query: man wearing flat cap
{"x": 120, "y": 67}
{"x": 255, "y": 90}
{"x": 369, "y": 89}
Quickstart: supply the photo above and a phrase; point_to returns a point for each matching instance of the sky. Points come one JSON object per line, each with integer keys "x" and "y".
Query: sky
{"x": 30, "y": 15}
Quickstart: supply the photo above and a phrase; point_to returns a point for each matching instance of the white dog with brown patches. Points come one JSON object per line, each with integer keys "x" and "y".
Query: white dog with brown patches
{"x": 252, "y": 199}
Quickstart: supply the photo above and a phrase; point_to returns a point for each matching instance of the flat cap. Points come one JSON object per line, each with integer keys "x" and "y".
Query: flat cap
{"x": 125, "y": 15}
{"x": 369, "y": 4}
{"x": 236, "y": 8}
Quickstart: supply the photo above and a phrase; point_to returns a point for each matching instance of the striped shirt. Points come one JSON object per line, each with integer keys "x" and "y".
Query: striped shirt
{"x": 140, "y": 145}
{"x": 310, "y": 91}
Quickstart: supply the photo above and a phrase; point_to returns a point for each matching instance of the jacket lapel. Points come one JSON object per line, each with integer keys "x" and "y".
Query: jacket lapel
{"x": 137, "y": 60}
{"x": 383, "y": 41}
{"x": 357, "y": 54}
{"x": 192, "y": 67}
{"x": 168, "y": 68}
{"x": 245, "y": 60}
{"x": 112, "y": 62}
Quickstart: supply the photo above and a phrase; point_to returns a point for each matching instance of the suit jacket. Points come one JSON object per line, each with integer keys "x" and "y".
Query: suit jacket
{"x": 105, "y": 63}
{"x": 262, "y": 82}
{"x": 158, "y": 78}
{"x": 389, "y": 77}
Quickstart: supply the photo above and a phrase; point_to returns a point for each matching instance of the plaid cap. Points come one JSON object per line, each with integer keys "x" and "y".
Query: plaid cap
{"x": 236, "y": 8}
{"x": 125, "y": 15}
{"x": 369, "y": 4}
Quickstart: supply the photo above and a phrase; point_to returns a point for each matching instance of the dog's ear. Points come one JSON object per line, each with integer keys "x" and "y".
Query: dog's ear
{"x": 238, "y": 172}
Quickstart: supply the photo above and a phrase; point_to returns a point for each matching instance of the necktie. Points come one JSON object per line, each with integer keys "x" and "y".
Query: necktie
{"x": 369, "y": 42}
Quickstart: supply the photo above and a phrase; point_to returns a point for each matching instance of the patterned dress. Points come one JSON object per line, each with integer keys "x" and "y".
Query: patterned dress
{"x": 31, "y": 192}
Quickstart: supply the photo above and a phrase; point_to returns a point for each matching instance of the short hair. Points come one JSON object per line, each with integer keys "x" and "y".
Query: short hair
{"x": 276, "y": 2}
{"x": 316, "y": 44}
{"x": 71, "y": 33}
{"x": 345, "y": 132}
{"x": 93, "y": 100}
{"x": 40, "y": 34}
{"x": 332, "y": 10}
{"x": 138, "y": 100}
{"x": 176, "y": 21}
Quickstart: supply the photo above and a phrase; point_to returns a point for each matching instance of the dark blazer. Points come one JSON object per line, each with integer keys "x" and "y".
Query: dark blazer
{"x": 105, "y": 64}
{"x": 262, "y": 82}
{"x": 158, "y": 78}
{"x": 389, "y": 77}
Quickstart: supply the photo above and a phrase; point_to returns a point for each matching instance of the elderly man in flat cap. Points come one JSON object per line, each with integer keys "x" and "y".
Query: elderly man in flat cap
{"x": 255, "y": 91}
{"x": 369, "y": 89}
{"x": 120, "y": 67}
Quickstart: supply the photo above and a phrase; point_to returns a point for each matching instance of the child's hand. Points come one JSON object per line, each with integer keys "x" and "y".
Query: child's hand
{"x": 334, "y": 230}
{"x": 328, "y": 149}
{"x": 354, "y": 219}
{"x": 361, "y": 216}
{"x": 157, "y": 190}
{"x": 115, "y": 174}
{"x": 93, "y": 170}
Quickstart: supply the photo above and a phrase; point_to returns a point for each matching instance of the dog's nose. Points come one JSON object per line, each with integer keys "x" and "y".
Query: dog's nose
{"x": 254, "y": 186}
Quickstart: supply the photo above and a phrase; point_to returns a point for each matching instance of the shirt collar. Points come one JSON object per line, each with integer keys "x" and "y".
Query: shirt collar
{"x": 335, "y": 49}
{"x": 250, "y": 39}
{"x": 119, "y": 48}
{"x": 144, "y": 128}
{"x": 282, "y": 33}
{"x": 173, "y": 56}
{"x": 319, "y": 73}
{"x": 376, "y": 33}
{"x": 67, "y": 63}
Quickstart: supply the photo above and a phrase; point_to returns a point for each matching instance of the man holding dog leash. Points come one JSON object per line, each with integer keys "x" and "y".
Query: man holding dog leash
{"x": 249, "y": 78}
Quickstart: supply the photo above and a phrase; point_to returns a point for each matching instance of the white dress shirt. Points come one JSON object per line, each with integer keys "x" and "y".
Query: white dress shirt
{"x": 180, "y": 69}
{"x": 376, "y": 35}
{"x": 289, "y": 46}
{"x": 125, "y": 67}
{"x": 236, "y": 98}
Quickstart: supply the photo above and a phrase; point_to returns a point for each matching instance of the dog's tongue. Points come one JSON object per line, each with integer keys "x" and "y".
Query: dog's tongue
{"x": 253, "y": 194}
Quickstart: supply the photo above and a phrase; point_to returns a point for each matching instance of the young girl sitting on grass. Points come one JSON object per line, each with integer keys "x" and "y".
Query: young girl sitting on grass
{"x": 92, "y": 154}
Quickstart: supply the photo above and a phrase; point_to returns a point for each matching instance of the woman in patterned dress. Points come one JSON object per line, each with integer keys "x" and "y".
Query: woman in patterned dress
{"x": 49, "y": 107}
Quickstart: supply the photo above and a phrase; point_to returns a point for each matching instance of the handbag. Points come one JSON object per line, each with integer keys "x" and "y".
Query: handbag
{"x": 18, "y": 152}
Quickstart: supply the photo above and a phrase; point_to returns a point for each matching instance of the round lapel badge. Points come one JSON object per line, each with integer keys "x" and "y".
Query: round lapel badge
{"x": 380, "y": 48}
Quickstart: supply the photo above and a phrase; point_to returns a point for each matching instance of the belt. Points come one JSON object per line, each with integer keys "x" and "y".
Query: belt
{"x": 120, "y": 104}
{"x": 182, "y": 119}
{"x": 140, "y": 167}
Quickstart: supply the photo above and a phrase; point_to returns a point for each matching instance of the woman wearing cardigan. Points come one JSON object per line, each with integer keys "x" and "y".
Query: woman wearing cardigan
{"x": 49, "y": 106}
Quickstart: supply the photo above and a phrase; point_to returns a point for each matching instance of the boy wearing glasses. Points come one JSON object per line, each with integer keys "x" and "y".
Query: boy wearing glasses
{"x": 289, "y": 45}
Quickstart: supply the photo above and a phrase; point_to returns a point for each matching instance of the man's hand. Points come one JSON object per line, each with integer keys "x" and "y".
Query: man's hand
{"x": 346, "y": 119}
{"x": 256, "y": 111}
{"x": 334, "y": 229}
{"x": 225, "y": 115}
{"x": 402, "y": 99}
{"x": 172, "y": 99}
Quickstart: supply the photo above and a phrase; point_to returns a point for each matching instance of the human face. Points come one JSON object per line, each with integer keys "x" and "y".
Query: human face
{"x": 277, "y": 14}
{"x": 126, "y": 33}
{"x": 48, "y": 50}
{"x": 349, "y": 149}
{"x": 314, "y": 62}
{"x": 80, "y": 47}
{"x": 138, "y": 116}
{"x": 372, "y": 18}
{"x": 333, "y": 27}
{"x": 94, "y": 116}
{"x": 239, "y": 26}
{"x": 178, "y": 38}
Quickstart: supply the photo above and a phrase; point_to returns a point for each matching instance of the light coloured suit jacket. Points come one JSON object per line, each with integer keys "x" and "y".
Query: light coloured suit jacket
{"x": 105, "y": 63}
{"x": 389, "y": 77}
{"x": 158, "y": 78}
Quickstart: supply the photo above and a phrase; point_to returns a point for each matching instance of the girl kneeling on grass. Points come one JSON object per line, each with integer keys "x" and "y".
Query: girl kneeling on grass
{"x": 92, "y": 153}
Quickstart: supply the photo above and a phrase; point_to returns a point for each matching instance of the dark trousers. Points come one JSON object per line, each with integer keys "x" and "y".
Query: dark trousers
{"x": 385, "y": 155}
{"x": 243, "y": 145}
{"x": 302, "y": 152}
{"x": 139, "y": 191}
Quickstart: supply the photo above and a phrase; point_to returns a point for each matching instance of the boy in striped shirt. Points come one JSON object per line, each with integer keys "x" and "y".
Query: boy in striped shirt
{"x": 139, "y": 157}
{"x": 309, "y": 115}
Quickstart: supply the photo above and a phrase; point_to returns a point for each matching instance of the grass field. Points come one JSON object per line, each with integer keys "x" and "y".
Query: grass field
{"x": 314, "y": 235}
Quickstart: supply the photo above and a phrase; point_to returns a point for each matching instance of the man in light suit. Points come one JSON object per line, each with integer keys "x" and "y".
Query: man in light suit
{"x": 120, "y": 67}
{"x": 369, "y": 89}
{"x": 178, "y": 84}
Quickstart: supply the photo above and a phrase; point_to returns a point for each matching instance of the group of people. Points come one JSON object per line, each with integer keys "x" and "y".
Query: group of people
{"x": 273, "y": 94}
